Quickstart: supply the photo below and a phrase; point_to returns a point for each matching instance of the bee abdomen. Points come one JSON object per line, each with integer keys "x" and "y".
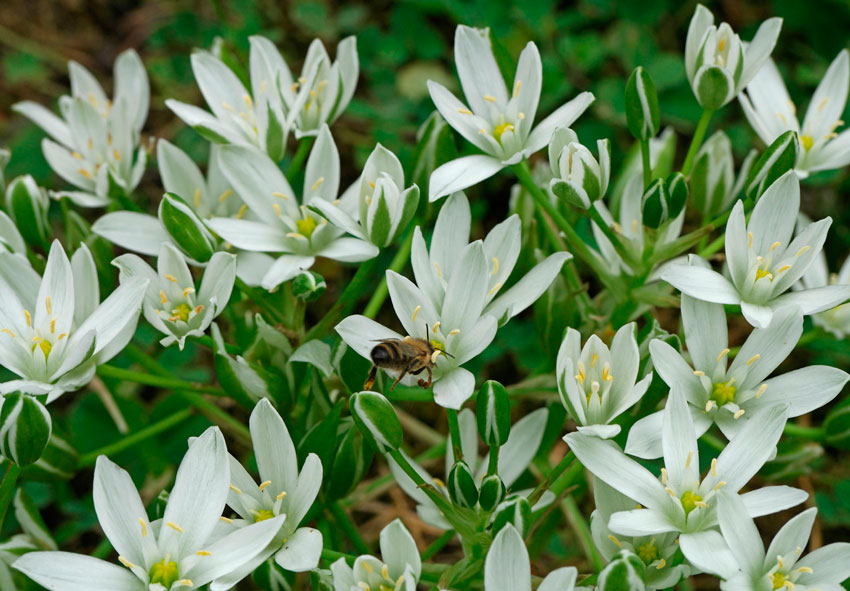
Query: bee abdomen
{"x": 388, "y": 355}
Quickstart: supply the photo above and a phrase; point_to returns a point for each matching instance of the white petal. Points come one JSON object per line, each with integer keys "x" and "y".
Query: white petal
{"x": 273, "y": 448}
{"x": 640, "y": 522}
{"x": 45, "y": 119}
{"x": 708, "y": 551}
{"x": 522, "y": 445}
{"x": 759, "y": 49}
{"x": 564, "y": 116}
{"x": 361, "y": 333}
{"x": 740, "y": 533}
{"x": 218, "y": 280}
{"x": 477, "y": 69}
{"x": 704, "y": 324}
{"x": 772, "y": 499}
{"x": 398, "y": 550}
{"x": 507, "y": 567}
{"x": 63, "y": 571}
{"x": 751, "y": 448}
{"x": 461, "y": 173}
{"x": 528, "y": 289}
{"x": 302, "y": 551}
{"x": 454, "y": 388}
{"x": 766, "y": 348}
{"x": 349, "y": 250}
{"x": 250, "y": 235}
{"x": 704, "y": 284}
{"x": 806, "y": 389}
{"x": 134, "y": 231}
{"x": 812, "y": 301}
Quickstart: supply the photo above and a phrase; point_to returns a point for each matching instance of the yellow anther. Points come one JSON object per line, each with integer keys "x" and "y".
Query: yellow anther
{"x": 126, "y": 562}
{"x": 615, "y": 540}
{"x": 783, "y": 268}
{"x": 364, "y": 586}
{"x": 489, "y": 98}
{"x": 185, "y": 583}
{"x": 247, "y": 98}
{"x": 52, "y": 326}
{"x": 415, "y": 313}
{"x": 516, "y": 88}
{"x": 294, "y": 87}
{"x": 235, "y": 489}
{"x": 162, "y": 298}
{"x": 435, "y": 327}
{"x": 187, "y": 291}
{"x": 318, "y": 182}
{"x": 439, "y": 272}
{"x": 170, "y": 277}
{"x": 520, "y": 115}
{"x": 197, "y": 197}
{"x": 774, "y": 246}
{"x": 495, "y": 265}
{"x": 241, "y": 213}
{"x": 77, "y": 155}
{"x": 753, "y": 359}
{"x": 720, "y": 485}
{"x": 225, "y": 519}
{"x": 802, "y": 250}
{"x": 62, "y": 336}
{"x": 690, "y": 458}
{"x": 749, "y": 239}
{"x": 464, "y": 111}
{"x": 670, "y": 492}
{"x": 496, "y": 288}
{"x": 367, "y": 567}
{"x": 454, "y": 332}
{"x": 144, "y": 527}
{"x": 482, "y": 131}
{"x": 722, "y": 354}
{"x": 223, "y": 197}
{"x": 698, "y": 372}
{"x": 594, "y": 360}
{"x": 276, "y": 208}
{"x": 762, "y": 388}
{"x": 661, "y": 564}
{"x": 606, "y": 373}
{"x": 8, "y": 332}
{"x": 805, "y": 569}
{"x": 714, "y": 467}
{"x": 174, "y": 526}
{"x": 663, "y": 475}
{"x": 372, "y": 184}
{"x": 264, "y": 485}
{"x": 385, "y": 572}
{"x": 709, "y": 405}
{"x": 721, "y": 44}
{"x": 198, "y": 309}
{"x": 116, "y": 154}
{"x": 280, "y": 495}
{"x": 822, "y": 104}
{"x": 203, "y": 553}
{"x": 738, "y": 414}
{"x": 47, "y": 305}
{"x": 226, "y": 105}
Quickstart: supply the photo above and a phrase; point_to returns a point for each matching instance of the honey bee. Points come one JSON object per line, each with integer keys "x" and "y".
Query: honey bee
{"x": 409, "y": 355}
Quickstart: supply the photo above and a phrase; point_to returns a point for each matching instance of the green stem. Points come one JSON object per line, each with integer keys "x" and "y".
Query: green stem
{"x": 333, "y": 556}
{"x": 137, "y": 437}
{"x": 454, "y": 431}
{"x": 381, "y": 292}
{"x": 299, "y": 157}
{"x": 812, "y": 433}
{"x": 212, "y": 411}
{"x": 261, "y": 298}
{"x": 493, "y": 465}
{"x": 576, "y": 244}
{"x": 556, "y": 472}
{"x": 614, "y": 238}
{"x": 579, "y": 523}
{"x": 438, "y": 544}
{"x": 349, "y": 528}
{"x": 438, "y": 499}
{"x": 696, "y": 142}
{"x": 7, "y": 487}
{"x": 168, "y": 383}
{"x": 647, "y": 167}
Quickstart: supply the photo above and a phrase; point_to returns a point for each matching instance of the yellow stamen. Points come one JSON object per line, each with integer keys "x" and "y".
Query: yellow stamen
{"x": 714, "y": 467}
{"x": 162, "y": 298}
{"x": 116, "y": 154}
{"x": 753, "y": 359}
{"x": 594, "y": 360}
{"x": 318, "y": 182}
{"x": 516, "y": 88}
{"x": 464, "y": 111}
{"x": 774, "y": 246}
{"x": 77, "y": 155}
{"x": 203, "y": 553}
{"x": 126, "y": 562}
{"x": 738, "y": 414}
{"x": 264, "y": 485}
{"x": 783, "y": 268}
{"x": 415, "y": 313}
{"x": 144, "y": 527}
{"x": 367, "y": 567}
{"x": 720, "y": 485}
{"x": 454, "y": 332}
{"x": 226, "y": 105}
{"x": 489, "y": 98}
{"x": 688, "y": 461}
{"x": 496, "y": 288}
{"x": 174, "y": 526}
{"x": 47, "y": 305}
{"x": 276, "y": 208}
{"x": 170, "y": 277}
{"x": 762, "y": 388}
{"x": 663, "y": 475}
{"x": 241, "y": 213}
{"x": 235, "y": 489}
{"x": 802, "y": 250}
{"x": 722, "y": 354}
{"x": 281, "y": 495}
{"x": 223, "y": 197}
{"x": 439, "y": 272}
{"x": 615, "y": 540}
{"x": 435, "y": 327}
{"x": 197, "y": 198}
{"x": 495, "y": 265}
{"x": 749, "y": 239}
{"x": 226, "y": 519}
{"x": 52, "y": 326}
{"x": 8, "y": 332}
{"x": 822, "y": 104}
{"x": 698, "y": 372}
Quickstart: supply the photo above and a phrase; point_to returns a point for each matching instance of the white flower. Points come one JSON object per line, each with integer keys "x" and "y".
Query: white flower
{"x": 764, "y": 261}
{"x": 283, "y": 226}
{"x": 718, "y": 63}
{"x": 53, "y": 333}
{"x": 179, "y": 552}
{"x": 656, "y": 551}
{"x": 377, "y": 208}
{"x": 455, "y": 296}
{"x": 400, "y": 572}
{"x": 597, "y": 384}
{"x": 835, "y": 320}
{"x": 10, "y": 237}
{"x": 578, "y": 177}
{"x": 95, "y": 140}
{"x": 738, "y": 555}
{"x": 497, "y": 121}
{"x": 514, "y": 457}
{"x": 507, "y": 567}
{"x": 284, "y": 495}
{"x": 730, "y": 394}
{"x": 681, "y": 501}
{"x": 171, "y": 304}
{"x": 771, "y": 112}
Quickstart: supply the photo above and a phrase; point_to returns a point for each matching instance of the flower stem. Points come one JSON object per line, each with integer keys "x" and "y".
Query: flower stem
{"x": 438, "y": 544}
{"x": 299, "y": 157}
{"x": 137, "y": 437}
{"x": 381, "y": 292}
{"x": 168, "y": 383}
{"x": 803, "y": 432}
{"x": 7, "y": 487}
{"x": 647, "y": 167}
{"x": 696, "y": 142}
{"x": 493, "y": 465}
{"x": 454, "y": 431}
{"x": 580, "y": 527}
{"x": 344, "y": 521}
{"x": 554, "y": 475}
{"x": 438, "y": 499}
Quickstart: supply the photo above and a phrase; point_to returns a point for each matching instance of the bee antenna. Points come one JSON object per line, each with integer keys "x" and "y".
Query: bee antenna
{"x": 426, "y": 331}
{"x": 447, "y": 354}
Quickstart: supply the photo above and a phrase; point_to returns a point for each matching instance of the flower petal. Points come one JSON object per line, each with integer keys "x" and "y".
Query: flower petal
{"x": 64, "y": 571}
{"x": 454, "y": 388}
{"x": 301, "y": 551}
{"x": 697, "y": 282}
{"x": 564, "y": 116}
{"x": 507, "y": 567}
{"x": 138, "y": 232}
{"x": 457, "y": 175}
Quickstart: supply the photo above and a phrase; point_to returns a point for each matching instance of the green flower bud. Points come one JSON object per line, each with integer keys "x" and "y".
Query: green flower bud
{"x": 25, "y": 428}
{"x": 308, "y": 286}
{"x": 579, "y": 179}
{"x": 643, "y": 116}
{"x": 779, "y": 158}
{"x": 712, "y": 87}
{"x": 27, "y": 204}
{"x": 677, "y": 194}
{"x": 625, "y": 572}
{"x": 385, "y": 206}
{"x": 186, "y": 228}
{"x": 654, "y": 204}
{"x": 462, "y": 488}
{"x": 377, "y": 420}
{"x": 516, "y": 511}
{"x": 493, "y": 413}
{"x": 713, "y": 176}
{"x": 492, "y": 492}
{"x": 275, "y": 136}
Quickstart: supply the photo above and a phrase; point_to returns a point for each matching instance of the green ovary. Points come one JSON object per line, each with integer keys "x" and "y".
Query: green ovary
{"x": 306, "y": 226}
{"x": 500, "y": 129}
{"x": 45, "y": 346}
{"x": 262, "y": 515}
{"x": 181, "y": 312}
{"x": 164, "y": 573}
{"x": 723, "y": 393}
{"x": 779, "y": 580}
{"x": 690, "y": 501}
{"x": 648, "y": 552}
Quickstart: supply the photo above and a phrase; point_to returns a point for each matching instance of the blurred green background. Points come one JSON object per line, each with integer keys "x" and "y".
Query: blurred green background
{"x": 589, "y": 45}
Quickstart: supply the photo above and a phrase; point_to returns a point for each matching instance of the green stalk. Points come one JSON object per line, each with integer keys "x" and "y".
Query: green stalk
{"x": 554, "y": 475}
{"x": 436, "y": 497}
{"x": 803, "y": 432}
{"x": 647, "y": 167}
{"x": 438, "y": 544}
{"x": 696, "y": 142}
{"x": 579, "y": 523}
{"x": 493, "y": 465}
{"x": 168, "y": 383}
{"x": 344, "y": 521}
{"x": 454, "y": 430}
{"x": 7, "y": 487}
{"x": 137, "y": 437}
{"x": 381, "y": 292}
{"x": 299, "y": 157}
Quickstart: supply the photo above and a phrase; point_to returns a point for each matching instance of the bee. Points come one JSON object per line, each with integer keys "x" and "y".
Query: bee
{"x": 409, "y": 355}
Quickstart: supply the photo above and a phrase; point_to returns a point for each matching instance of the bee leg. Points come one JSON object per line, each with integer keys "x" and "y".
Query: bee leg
{"x": 402, "y": 374}
{"x": 370, "y": 381}
{"x": 423, "y": 383}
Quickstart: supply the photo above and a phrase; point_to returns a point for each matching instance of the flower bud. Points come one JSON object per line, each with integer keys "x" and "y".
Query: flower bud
{"x": 492, "y": 492}
{"x": 713, "y": 176}
{"x": 779, "y": 158}
{"x": 27, "y": 204}
{"x": 186, "y": 228}
{"x": 654, "y": 204}
{"x": 579, "y": 178}
{"x": 642, "y": 114}
{"x": 677, "y": 194}
{"x": 462, "y": 488}
{"x": 625, "y": 572}
{"x": 516, "y": 511}
{"x": 493, "y": 413}
{"x": 58, "y": 460}
{"x": 376, "y": 418}
{"x": 385, "y": 207}
{"x": 5, "y": 156}
{"x": 25, "y": 428}
{"x": 308, "y": 286}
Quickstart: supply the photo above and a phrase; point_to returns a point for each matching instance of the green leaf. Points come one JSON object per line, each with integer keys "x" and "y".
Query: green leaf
{"x": 186, "y": 228}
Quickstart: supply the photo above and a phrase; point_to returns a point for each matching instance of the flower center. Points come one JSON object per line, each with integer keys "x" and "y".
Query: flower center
{"x": 165, "y": 573}
{"x": 501, "y": 129}
{"x": 263, "y": 514}
{"x": 648, "y": 552}
{"x": 306, "y": 226}
{"x": 181, "y": 312}
{"x": 723, "y": 392}
{"x": 44, "y": 345}
{"x": 690, "y": 501}
{"x": 807, "y": 142}
{"x": 779, "y": 580}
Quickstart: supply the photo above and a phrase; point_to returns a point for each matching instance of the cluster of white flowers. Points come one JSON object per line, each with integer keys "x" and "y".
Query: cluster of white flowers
{"x": 639, "y": 400}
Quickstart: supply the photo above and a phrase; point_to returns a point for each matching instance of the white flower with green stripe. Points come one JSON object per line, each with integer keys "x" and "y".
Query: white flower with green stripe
{"x": 456, "y": 301}
{"x": 398, "y": 569}
{"x": 180, "y": 552}
{"x": 95, "y": 141}
{"x": 835, "y": 320}
{"x": 507, "y": 567}
{"x": 498, "y": 120}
